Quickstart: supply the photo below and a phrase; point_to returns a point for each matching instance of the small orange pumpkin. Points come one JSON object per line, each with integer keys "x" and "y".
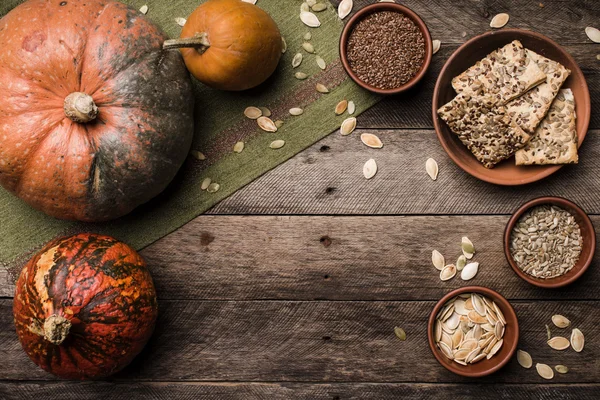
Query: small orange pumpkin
{"x": 229, "y": 44}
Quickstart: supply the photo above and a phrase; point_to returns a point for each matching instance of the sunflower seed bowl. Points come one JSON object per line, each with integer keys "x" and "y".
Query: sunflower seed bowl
{"x": 549, "y": 242}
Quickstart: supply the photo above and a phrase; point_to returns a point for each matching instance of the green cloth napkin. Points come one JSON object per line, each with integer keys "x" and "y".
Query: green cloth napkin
{"x": 220, "y": 123}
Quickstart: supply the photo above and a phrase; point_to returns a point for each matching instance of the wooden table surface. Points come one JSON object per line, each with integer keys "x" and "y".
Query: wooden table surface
{"x": 291, "y": 288}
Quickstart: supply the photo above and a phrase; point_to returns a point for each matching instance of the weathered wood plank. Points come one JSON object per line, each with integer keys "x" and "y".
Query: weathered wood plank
{"x": 287, "y": 391}
{"x": 335, "y": 258}
{"x": 319, "y": 341}
{"x": 327, "y": 179}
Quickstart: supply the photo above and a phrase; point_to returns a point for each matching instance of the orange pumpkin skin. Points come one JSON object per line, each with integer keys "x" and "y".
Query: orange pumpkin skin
{"x": 245, "y": 45}
{"x": 102, "y": 169}
{"x": 97, "y": 286}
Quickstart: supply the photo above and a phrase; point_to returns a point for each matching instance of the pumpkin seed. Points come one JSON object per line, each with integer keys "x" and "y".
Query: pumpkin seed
{"x": 307, "y": 36}
{"x": 448, "y": 272}
{"x": 544, "y": 371}
{"x": 279, "y": 123}
{"x": 370, "y": 169}
{"x": 436, "y": 45}
{"x": 371, "y": 140}
{"x": 319, "y": 7}
{"x": 249, "y": 1}
{"x": 198, "y": 155}
{"x": 351, "y": 107}
{"x": 467, "y": 245}
{"x": 344, "y": 8}
{"x": 320, "y": 62}
{"x": 213, "y": 187}
{"x": 560, "y": 322}
{"x": 438, "y": 260}
{"x": 310, "y": 19}
{"x": 311, "y": 2}
{"x": 253, "y": 112}
{"x": 561, "y": 369}
{"x": 341, "y": 107}
{"x": 309, "y": 48}
{"x": 469, "y": 271}
{"x": 577, "y": 340}
{"x": 559, "y": 343}
{"x": 593, "y": 34}
{"x": 180, "y": 21}
{"x": 296, "y": 111}
{"x": 265, "y": 111}
{"x": 548, "y": 332}
{"x": 304, "y": 7}
{"x": 499, "y": 20}
{"x": 322, "y": 88}
{"x": 348, "y": 126}
{"x": 205, "y": 183}
{"x": 238, "y": 147}
{"x": 144, "y": 9}
{"x": 400, "y": 333}
{"x": 266, "y": 124}
{"x": 300, "y": 75}
{"x": 297, "y": 60}
{"x": 524, "y": 358}
{"x": 461, "y": 262}
{"x": 277, "y": 144}
{"x": 283, "y": 45}
{"x": 432, "y": 168}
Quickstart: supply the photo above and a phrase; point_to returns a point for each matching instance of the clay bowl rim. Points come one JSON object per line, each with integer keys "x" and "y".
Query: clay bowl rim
{"x": 511, "y": 319}
{"x": 437, "y": 123}
{"x": 589, "y": 239}
{"x": 377, "y": 7}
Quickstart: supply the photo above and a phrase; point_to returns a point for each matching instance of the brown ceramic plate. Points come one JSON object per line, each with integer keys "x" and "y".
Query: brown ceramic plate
{"x": 505, "y": 173}
{"x": 377, "y": 7}
{"x": 483, "y": 367}
{"x": 587, "y": 252}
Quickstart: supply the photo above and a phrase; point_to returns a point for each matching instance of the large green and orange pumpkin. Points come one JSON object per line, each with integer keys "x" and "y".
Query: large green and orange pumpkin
{"x": 84, "y": 306}
{"x": 95, "y": 118}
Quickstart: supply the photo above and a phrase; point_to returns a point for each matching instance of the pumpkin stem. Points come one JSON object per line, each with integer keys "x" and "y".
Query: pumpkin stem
{"x": 80, "y": 107}
{"x": 199, "y": 42}
{"x": 56, "y": 329}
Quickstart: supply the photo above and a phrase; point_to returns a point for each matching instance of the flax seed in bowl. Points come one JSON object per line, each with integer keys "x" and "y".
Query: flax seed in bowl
{"x": 386, "y": 48}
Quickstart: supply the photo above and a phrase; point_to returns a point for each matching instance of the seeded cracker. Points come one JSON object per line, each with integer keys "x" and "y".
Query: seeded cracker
{"x": 555, "y": 140}
{"x": 506, "y": 73}
{"x": 531, "y": 108}
{"x": 484, "y": 127}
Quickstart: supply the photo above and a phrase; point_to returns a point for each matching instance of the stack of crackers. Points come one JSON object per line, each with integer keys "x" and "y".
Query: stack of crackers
{"x": 511, "y": 103}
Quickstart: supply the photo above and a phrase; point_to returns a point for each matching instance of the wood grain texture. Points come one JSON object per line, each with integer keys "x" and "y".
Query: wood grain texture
{"x": 335, "y": 258}
{"x": 289, "y": 391}
{"x": 319, "y": 341}
{"x": 327, "y": 179}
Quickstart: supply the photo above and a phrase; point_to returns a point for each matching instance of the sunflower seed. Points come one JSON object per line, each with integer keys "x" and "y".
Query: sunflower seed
{"x": 213, "y": 187}
{"x": 265, "y": 111}
{"x": 447, "y": 273}
{"x": 310, "y": 19}
{"x": 351, "y": 107}
{"x": 559, "y": 343}
{"x": 319, "y": 7}
{"x": 266, "y": 124}
{"x": 400, "y": 333}
{"x": 296, "y": 111}
{"x": 198, "y": 155}
{"x": 467, "y": 245}
{"x": 297, "y": 60}
{"x": 180, "y": 21}
{"x": 320, "y": 62}
{"x": 239, "y": 147}
{"x": 561, "y": 369}
{"x": 436, "y": 45}
{"x": 277, "y": 144}
{"x": 344, "y": 8}
{"x": 144, "y": 9}
{"x": 461, "y": 262}
{"x": 544, "y": 370}
{"x": 432, "y": 168}
{"x": 348, "y": 126}
{"x": 341, "y": 107}
{"x": 560, "y": 322}
{"x": 371, "y": 140}
{"x": 524, "y": 358}
{"x": 322, "y": 88}
{"x": 499, "y": 20}
{"x": 205, "y": 183}
{"x": 300, "y": 75}
{"x": 593, "y": 34}
{"x": 469, "y": 271}
{"x": 370, "y": 169}
{"x": 253, "y": 112}
{"x": 309, "y": 48}
{"x": 438, "y": 260}
{"x": 283, "y": 45}
{"x": 307, "y": 36}
{"x": 577, "y": 340}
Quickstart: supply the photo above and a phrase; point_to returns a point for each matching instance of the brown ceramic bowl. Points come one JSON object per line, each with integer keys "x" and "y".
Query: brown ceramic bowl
{"x": 377, "y": 7}
{"x": 587, "y": 252}
{"x": 483, "y": 367}
{"x": 505, "y": 173}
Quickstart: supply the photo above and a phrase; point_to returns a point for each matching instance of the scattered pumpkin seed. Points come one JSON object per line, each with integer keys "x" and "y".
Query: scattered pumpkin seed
{"x": 300, "y": 75}
{"x": 253, "y": 112}
{"x": 448, "y": 272}
{"x": 265, "y": 111}
{"x": 561, "y": 369}
{"x": 348, "y": 126}
{"x": 400, "y": 333}
{"x": 198, "y": 155}
{"x": 351, "y": 107}
{"x": 297, "y": 60}
{"x": 524, "y": 358}
{"x": 309, "y": 48}
{"x": 548, "y": 332}
{"x": 144, "y": 9}
{"x": 370, "y": 169}
{"x": 598, "y": 57}
{"x": 341, "y": 107}
{"x": 560, "y": 322}
{"x": 436, "y": 45}
{"x": 593, "y": 34}
{"x": 577, "y": 340}
{"x": 438, "y": 260}
{"x": 469, "y": 271}
{"x": 205, "y": 183}
{"x": 320, "y": 62}
{"x": 467, "y": 246}
{"x": 279, "y": 123}
{"x": 296, "y": 111}
{"x": 499, "y": 20}
{"x": 322, "y": 88}
{"x": 266, "y": 124}
{"x": 180, "y": 21}
{"x": 311, "y": 2}
{"x": 559, "y": 343}
{"x": 307, "y": 36}
{"x": 310, "y": 19}
{"x": 319, "y": 7}
{"x": 304, "y": 7}
{"x": 544, "y": 371}
{"x": 461, "y": 262}
{"x": 283, "y": 45}
{"x": 432, "y": 168}
{"x": 344, "y": 8}
{"x": 371, "y": 140}
{"x": 213, "y": 187}
{"x": 277, "y": 144}
{"x": 238, "y": 147}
